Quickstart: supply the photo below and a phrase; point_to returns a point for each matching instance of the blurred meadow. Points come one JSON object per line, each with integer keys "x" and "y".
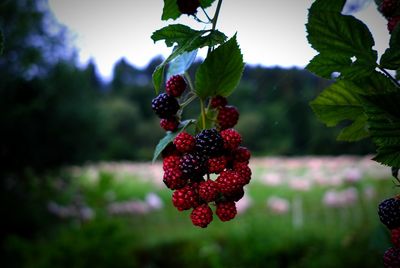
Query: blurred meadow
{"x": 77, "y": 188}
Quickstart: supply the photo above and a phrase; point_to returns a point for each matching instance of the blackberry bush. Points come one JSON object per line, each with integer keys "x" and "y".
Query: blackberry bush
{"x": 192, "y": 149}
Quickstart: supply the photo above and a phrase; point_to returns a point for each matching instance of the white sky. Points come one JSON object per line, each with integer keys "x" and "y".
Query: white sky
{"x": 270, "y": 33}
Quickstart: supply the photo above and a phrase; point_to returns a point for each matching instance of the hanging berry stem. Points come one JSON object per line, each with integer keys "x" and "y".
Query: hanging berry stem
{"x": 214, "y": 21}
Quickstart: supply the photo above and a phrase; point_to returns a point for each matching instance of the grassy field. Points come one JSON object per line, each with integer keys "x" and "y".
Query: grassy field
{"x": 297, "y": 212}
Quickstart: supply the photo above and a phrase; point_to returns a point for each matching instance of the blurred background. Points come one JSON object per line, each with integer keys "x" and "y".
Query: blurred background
{"x": 77, "y": 135}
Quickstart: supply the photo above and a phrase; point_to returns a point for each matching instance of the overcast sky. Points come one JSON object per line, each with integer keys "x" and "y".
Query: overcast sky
{"x": 270, "y": 33}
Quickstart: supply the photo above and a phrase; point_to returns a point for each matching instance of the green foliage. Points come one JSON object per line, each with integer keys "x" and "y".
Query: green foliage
{"x": 360, "y": 94}
{"x": 220, "y": 73}
{"x": 170, "y": 10}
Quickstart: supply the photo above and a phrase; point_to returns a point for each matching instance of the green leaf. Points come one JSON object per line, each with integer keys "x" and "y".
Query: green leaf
{"x": 374, "y": 84}
{"x": 214, "y": 38}
{"x": 328, "y": 5}
{"x": 341, "y": 35}
{"x": 389, "y": 155}
{"x": 383, "y": 114}
{"x": 175, "y": 33}
{"x": 358, "y": 130}
{"x": 206, "y": 3}
{"x": 221, "y": 71}
{"x": 325, "y": 64}
{"x": 391, "y": 58}
{"x": 181, "y": 63}
{"x": 337, "y": 102}
{"x": 170, "y": 10}
{"x": 341, "y": 102}
{"x": 169, "y": 137}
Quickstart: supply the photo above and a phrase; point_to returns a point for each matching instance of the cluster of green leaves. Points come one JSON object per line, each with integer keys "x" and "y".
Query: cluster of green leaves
{"x": 220, "y": 72}
{"x": 364, "y": 92}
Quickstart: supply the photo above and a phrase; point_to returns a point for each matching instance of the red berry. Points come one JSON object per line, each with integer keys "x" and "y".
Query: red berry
{"x": 171, "y": 162}
{"x": 169, "y": 150}
{"x": 188, "y": 7}
{"x": 218, "y": 101}
{"x": 169, "y": 124}
{"x": 236, "y": 196}
{"x": 227, "y": 117}
{"x": 217, "y": 164}
{"x": 243, "y": 169}
{"x": 185, "y": 198}
{"x": 184, "y": 142}
{"x": 226, "y": 210}
{"x": 232, "y": 138}
{"x": 173, "y": 179}
{"x": 391, "y": 258}
{"x": 201, "y": 216}
{"x": 241, "y": 154}
{"x": 229, "y": 182}
{"x": 208, "y": 190}
{"x": 175, "y": 86}
{"x": 395, "y": 237}
{"x": 392, "y": 23}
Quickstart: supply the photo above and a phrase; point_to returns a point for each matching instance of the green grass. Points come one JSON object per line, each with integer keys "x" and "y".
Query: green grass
{"x": 329, "y": 237}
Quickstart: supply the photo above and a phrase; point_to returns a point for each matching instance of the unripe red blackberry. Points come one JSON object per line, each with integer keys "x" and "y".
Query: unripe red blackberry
{"x": 171, "y": 162}
{"x": 241, "y": 154}
{"x": 175, "y": 86}
{"x": 226, "y": 210}
{"x": 188, "y": 7}
{"x": 232, "y": 138}
{"x": 218, "y": 101}
{"x": 193, "y": 165}
{"x": 184, "y": 142}
{"x": 185, "y": 198}
{"x": 389, "y": 212}
{"x": 229, "y": 182}
{"x": 208, "y": 190}
{"x": 217, "y": 164}
{"x": 236, "y": 196}
{"x": 209, "y": 142}
{"x": 393, "y": 22}
{"x": 388, "y": 7}
{"x": 169, "y": 124}
{"x": 201, "y": 216}
{"x": 395, "y": 237}
{"x": 391, "y": 258}
{"x": 165, "y": 106}
{"x": 243, "y": 169}
{"x": 228, "y": 117}
{"x": 173, "y": 179}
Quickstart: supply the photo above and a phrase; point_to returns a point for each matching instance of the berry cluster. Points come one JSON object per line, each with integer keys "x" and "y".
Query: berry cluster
{"x": 389, "y": 214}
{"x": 390, "y": 9}
{"x": 190, "y": 160}
{"x": 166, "y": 104}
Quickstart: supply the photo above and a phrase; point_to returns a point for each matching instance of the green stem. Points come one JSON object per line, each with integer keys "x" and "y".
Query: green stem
{"x": 203, "y": 113}
{"x": 389, "y": 76}
{"x": 208, "y": 17}
{"x": 214, "y": 21}
{"x": 190, "y": 83}
{"x": 188, "y": 101}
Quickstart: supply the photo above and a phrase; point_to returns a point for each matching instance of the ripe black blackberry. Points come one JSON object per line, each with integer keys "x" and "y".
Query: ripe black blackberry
{"x": 209, "y": 142}
{"x": 165, "y": 106}
{"x": 188, "y": 7}
{"x": 193, "y": 165}
{"x": 389, "y": 212}
{"x": 388, "y": 7}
